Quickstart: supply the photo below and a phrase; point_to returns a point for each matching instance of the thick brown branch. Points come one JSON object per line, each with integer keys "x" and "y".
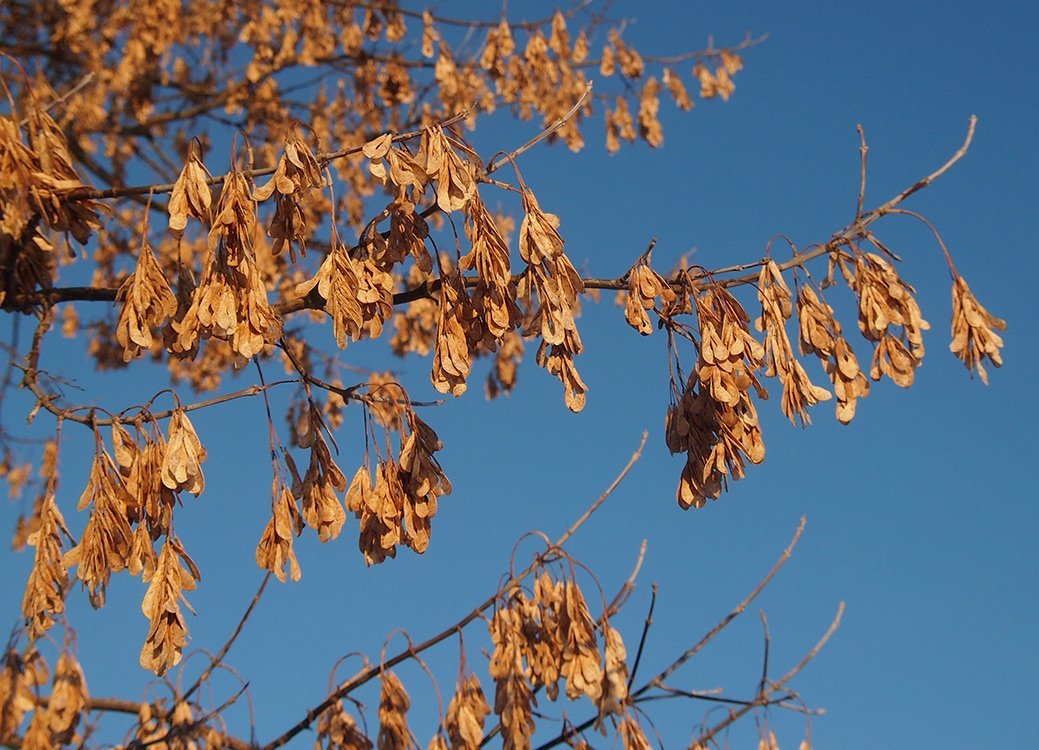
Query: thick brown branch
{"x": 322, "y": 158}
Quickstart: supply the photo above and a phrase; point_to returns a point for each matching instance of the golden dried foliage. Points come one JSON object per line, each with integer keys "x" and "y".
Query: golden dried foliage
{"x": 457, "y": 335}
{"x": 29, "y": 522}
{"x": 375, "y": 295}
{"x": 885, "y": 300}
{"x": 543, "y": 621}
{"x": 632, "y": 736}
{"x": 455, "y": 181}
{"x": 378, "y": 513}
{"x": 37, "y": 736}
{"x": 550, "y": 273}
{"x": 502, "y": 377}
{"x": 494, "y": 297}
{"x": 147, "y": 301}
{"x": 393, "y": 721}
{"x": 322, "y": 510}
{"x": 296, "y": 174}
{"x": 619, "y": 125}
{"x": 399, "y": 507}
{"x": 388, "y": 164}
{"x": 20, "y": 675}
{"x": 167, "y": 631}
{"x": 337, "y": 283}
{"x": 16, "y": 477}
{"x": 191, "y": 194}
{"x": 37, "y": 174}
{"x": 650, "y": 128}
{"x": 423, "y": 481}
{"x": 231, "y": 301}
{"x": 142, "y": 469}
{"x": 548, "y": 636}
{"x": 581, "y": 664}
{"x": 714, "y": 420}
{"x": 798, "y": 391}
{"x": 466, "y": 714}
{"x": 644, "y": 286}
{"x": 974, "y": 336}
{"x": 614, "y": 693}
{"x": 152, "y": 724}
{"x": 337, "y": 730}
{"x": 275, "y": 551}
{"x": 105, "y": 546}
{"x": 677, "y": 90}
{"x": 181, "y": 468}
{"x": 145, "y": 90}
{"x": 67, "y": 702}
{"x": 44, "y": 597}
{"x": 513, "y": 699}
{"x": 718, "y": 82}
{"x": 820, "y": 334}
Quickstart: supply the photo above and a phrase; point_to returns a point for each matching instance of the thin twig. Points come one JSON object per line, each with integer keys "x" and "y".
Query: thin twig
{"x": 706, "y": 695}
{"x": 80, "y": 85}
{"x": 46, "y": 400}
{"x": 863, "y": 150}
{"x": 186, "y": 730}
{"x": 642, "y": 638}
{"x": 776, "y": 686}
{"x": 764, "y": 661}
{"x": 509, "y": 157}
{"x": 836, "y": 623}
{"x": 740, "y": 608}
{"x": 627, "y": 588}
{"x": 219, "y": 657}
{"x": 561, "y": 541}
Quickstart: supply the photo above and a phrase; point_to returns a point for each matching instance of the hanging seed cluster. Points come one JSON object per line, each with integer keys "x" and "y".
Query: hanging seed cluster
{"x": 249, "y": 254}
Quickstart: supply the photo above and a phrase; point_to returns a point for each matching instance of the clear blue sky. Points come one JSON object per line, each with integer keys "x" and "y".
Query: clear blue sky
{"x": 919, "y": 513}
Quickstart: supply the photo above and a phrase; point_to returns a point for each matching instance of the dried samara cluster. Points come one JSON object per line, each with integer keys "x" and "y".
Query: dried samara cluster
{"x": 131, "y": 495}
{"x": 475, "y": 304}
{"x": 247, "y": 249}
{"x": 545, "y": 640}
{"x": 713, "y": 418}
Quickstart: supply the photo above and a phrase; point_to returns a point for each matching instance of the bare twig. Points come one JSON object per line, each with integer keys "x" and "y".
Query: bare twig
{"x": 764, "y": 660}
{"x": 642, "y": 638}
{"x": 776, "y": 686}
{"x": 626, "y": 590}
{"x": 509, "y": 157}
{"x": 46, "y": 400}
{"x": 80, "y": 85}
{"x": 863, "y": 150}
{"x": 219, "y": 656}
{"x": 561, "y": 541}
{"x": 740, "y": 609}
{"x": 836, "y": 623}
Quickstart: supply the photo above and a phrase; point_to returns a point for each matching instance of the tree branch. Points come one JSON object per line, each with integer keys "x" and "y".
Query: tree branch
{"x": 360, "y": 679}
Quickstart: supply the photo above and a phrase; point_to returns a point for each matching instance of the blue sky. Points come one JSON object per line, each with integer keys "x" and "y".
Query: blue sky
{"x": 919, "y": 513}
